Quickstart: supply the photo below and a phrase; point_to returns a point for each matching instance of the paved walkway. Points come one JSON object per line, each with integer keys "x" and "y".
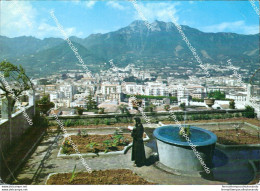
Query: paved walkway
{"x": 55, "y": 165}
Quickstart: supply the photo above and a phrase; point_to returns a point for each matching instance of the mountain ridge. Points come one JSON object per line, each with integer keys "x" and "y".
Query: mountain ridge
{"x": 134, "y": 43}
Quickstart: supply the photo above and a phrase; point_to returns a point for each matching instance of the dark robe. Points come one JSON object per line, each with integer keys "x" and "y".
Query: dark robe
{"x": 138, "y": 153}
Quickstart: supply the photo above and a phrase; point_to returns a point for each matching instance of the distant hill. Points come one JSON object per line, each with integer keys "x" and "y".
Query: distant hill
{"x": 131, "y": 44}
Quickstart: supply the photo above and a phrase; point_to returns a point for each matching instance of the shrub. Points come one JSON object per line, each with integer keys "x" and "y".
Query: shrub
{"x": 182, "y": 106}
{"x": 229, "y": 115}
{"x": 79, "y": 132}
{"x": 78, "y": 122}
{"x": 107, "y": 121}
{"x": 232, "y": 104}
{"x": 107, "y": 144}
{"x": 68, "y": 123}
{"x": 217, "y": 117}
{"x": 84, "y": 133}
{"x": 117, "y": 118}
{"x": 101, "y": 110}
{"x": 96, "y": 121}
{"x": 64, "y": 150}
{"x": 167, "y": 107}
{"x": 86, "y": 122}
{"x": 117, "y": 139}
{"x": 80, "y": 110}
{"x": 217, "y": 95}
{"x": 197, "y": 100}
{"x": 66, "y": 147}
{"x": 44, "y": 104}
{"x": 207, "y": 117}
{"x": 40, "y": 121}
{"x": 93, "y": 147}
{"x": 179, "y": 118}
{"x": 51, "y": 123}
{"x": 249, "y": 113}
{"x": 237, "y": 115}
{"x": 146, "y": 109}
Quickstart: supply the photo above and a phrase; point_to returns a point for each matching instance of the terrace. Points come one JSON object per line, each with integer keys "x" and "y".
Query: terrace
{"x": 235, "y": 160}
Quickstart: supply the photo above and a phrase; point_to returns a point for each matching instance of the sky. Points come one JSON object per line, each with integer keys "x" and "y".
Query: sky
{"x": 82, "y": 18}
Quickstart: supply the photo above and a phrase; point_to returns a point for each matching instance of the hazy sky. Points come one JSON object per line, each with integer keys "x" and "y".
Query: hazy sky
{"x": 82, "y": 18}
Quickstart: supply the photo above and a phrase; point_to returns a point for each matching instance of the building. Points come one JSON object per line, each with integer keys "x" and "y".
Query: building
{"x": 156, "y": 89}
{"x": 111, "y": 92}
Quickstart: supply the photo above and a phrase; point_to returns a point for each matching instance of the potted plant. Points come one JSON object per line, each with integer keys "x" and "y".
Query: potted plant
{"x": 185, "y": 131}
{"x": 232, "y": 104}
{"x": 44, "y": 104}
{"x": 167, "y": 107}
{"x": 101, "y": 110}
{"x": 80, "y": 110}
{"x": 137, "y": 103}
{"x": 209, "y": 101}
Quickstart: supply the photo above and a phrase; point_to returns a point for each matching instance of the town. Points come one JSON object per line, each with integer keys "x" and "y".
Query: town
{"x": 113, "y": 87}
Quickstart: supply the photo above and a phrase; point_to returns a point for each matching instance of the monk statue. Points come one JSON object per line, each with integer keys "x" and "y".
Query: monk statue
{"x": 138, "y": 153}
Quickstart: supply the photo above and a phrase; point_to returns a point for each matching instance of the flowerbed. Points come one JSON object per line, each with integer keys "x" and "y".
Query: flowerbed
{"x": 96, "y": 143}
{"x": 236, "y": 137}
{"x": 104, "y": 177}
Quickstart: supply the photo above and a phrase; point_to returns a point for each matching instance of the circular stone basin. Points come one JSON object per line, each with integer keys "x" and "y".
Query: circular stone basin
{"x": 176, "y": 152}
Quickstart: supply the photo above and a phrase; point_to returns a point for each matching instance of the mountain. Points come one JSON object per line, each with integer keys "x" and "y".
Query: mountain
{"x": 25, "y": 45}
{"x": 164, "y": 40}
{"x": 57, "y": 58}
{"x": 161, "y": 45}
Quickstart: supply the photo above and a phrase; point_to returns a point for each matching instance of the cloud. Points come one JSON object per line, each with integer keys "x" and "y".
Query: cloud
{"x": 20, "y": 19}
{"x": 43, "y": 29}
{"x": 157, "y": 11}
{"x": 90, "y": 4}
{"x": 232, "y": 27}
{"x": 76, "y": 2}
{"x": 14, "y": 18}
{"x": 115, "y": 5}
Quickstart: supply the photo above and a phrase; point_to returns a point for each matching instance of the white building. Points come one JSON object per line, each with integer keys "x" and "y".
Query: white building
{"x": 69, "y": 90}
{"x": 111, "y": 92}
{"x": 253, "y": 99}
{"x": 132, "y": 88}
{"x": 54, "y": 96}
{"x": 156, "y": 89}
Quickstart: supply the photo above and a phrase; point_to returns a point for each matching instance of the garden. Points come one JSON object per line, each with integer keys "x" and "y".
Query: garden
{"x": 236, "y": 136}
{"x": 103, "y": 147}
{"x": 96, "y": 143}
{"x": 112, "y": 177}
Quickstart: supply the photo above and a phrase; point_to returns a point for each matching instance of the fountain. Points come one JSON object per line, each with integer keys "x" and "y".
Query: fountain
{"x": 177, "y": 154}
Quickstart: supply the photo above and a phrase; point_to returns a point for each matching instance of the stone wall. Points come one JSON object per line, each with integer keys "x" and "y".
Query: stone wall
{"x": 18, "y": 125}
{"x": 153, "y": 116}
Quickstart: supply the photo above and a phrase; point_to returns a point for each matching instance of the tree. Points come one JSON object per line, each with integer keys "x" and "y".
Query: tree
{"x": 91, "y": 103}
{"x": 182, "y": 106}
{"x": 232, "y": 104}
{"x": 44, "y": 104}
{"x": 218, "y": 95}
{"x": 149, "y": 108}
{"x": 13, "y": 83}
{"x": 249, "y": 112}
